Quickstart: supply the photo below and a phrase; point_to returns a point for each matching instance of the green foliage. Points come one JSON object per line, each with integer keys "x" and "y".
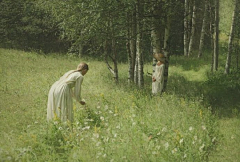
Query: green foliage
{"x": 24, "y": 25}
{"x": 222, "y": 90}
{"x": 119, "y": 123}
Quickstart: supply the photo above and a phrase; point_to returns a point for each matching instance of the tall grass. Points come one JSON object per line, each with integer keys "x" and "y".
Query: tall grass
{"x": 119, "y": 122}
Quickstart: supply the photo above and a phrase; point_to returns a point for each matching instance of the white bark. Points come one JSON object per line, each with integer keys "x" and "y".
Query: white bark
{"x": 230, "y": 42}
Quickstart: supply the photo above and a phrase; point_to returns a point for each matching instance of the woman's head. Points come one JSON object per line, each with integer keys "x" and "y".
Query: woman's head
{"x": 160, "y": 57}
{"x": 83, "y": 67}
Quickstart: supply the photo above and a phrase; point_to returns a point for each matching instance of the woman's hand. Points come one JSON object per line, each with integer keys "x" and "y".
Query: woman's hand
{"x": 82, "y": 102}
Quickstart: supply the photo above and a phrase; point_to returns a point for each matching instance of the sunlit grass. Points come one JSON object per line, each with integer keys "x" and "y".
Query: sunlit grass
{"x": 119, "y": 122}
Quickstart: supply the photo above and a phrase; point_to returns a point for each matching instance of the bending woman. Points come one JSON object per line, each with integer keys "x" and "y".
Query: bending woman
{"x": 60, "y": 102}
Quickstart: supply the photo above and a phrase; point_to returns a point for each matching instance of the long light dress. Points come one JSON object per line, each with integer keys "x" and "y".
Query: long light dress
{"x": 157, "y": 86}
{"x": 60, "y": 102}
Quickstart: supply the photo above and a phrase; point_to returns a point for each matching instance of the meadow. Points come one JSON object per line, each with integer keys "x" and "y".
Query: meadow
{"x": 197, "y": 119}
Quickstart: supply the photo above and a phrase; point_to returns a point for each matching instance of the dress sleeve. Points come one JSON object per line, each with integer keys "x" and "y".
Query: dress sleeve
{"x": 77, "y": 89}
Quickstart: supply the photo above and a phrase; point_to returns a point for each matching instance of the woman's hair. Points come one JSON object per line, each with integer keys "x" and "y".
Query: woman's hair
{"x": 82, "y": 66}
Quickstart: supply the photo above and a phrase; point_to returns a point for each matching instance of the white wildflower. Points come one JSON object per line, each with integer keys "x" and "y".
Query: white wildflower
{"x": 214, "y": 138}
{"x": 181, "y": 141}
{"x": 185, "y": 156}
{"x": 201, "y": 147}
{"x": 166, "y": 145}
{"x": 98, "y": 144}
{"x": 87, "y": 127}
{"x": 190, "y": 128}
{"x": 174, "y": 150}
{"x": 60, "y": 128}
{"x": 203, "y": 127}
{"x": 164, "y": 129}
{"x": 102, "y": 118}
{"x": 195, "y": 138}
{"x": 106, "y": 107}
{"x": 96, "y": 135}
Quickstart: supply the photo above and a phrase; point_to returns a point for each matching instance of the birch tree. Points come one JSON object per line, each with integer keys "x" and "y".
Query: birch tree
{"x": 216, "y": 36}
{"x": 186, "y": 22}
{"x": 190, "y": 50}
{"x": 203, "y": 31}
{"x": 139, "y": 43}
{"x": 231, "y": 37}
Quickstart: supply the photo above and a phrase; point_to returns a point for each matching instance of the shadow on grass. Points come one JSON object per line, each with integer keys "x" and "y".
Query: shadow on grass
{"x": 221, "y": 92}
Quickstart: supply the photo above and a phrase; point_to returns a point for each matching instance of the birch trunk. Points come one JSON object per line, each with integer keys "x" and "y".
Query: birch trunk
{"x": 140, "y": 44}
{"x": 186, "y": 27}
{"x": 230, "y": 42}
{"x": 190, "y": 50}
{"x": 203, "y": 31}
{"x": 133, "y": 42}
{"x": 166, "y": 48}
{"x": 216, "y": 37}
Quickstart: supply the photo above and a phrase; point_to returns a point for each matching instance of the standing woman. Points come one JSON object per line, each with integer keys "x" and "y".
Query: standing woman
{"x": 60, "y": 102}
{"x": 158, "y": 75}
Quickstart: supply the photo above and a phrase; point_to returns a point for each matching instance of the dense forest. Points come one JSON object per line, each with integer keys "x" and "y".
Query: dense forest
{"x": 128, "y": 30}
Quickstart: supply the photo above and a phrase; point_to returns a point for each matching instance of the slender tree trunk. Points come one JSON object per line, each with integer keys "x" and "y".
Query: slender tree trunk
{"x": 216, "y": 36}
{"x": 203, "y": 31}
{"x": 166, "y": 47}
{"x": 133, "y": 42}
{"x": 156, "y": 34}
{"x": 114, "y": 51}
{"x": 140, "y": 44}
{"x": 230, "y": 42}
{"x": 136, "y": 71}
{"x": 190, "y": 50}
{"x": 186, "y": 27}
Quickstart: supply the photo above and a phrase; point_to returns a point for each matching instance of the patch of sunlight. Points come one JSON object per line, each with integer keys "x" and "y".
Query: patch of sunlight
{"x": 190, "y": 75}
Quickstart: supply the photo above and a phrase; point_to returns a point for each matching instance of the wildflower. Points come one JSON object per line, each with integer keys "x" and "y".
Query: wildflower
{"x": 195, "y": 138}
{"x": 185, "y": 156}
{"x": 87, "y": 127}
{"x": 96, "y": 135}
{"x": 154, "y": 153}
{"x": 164, "y": 129}
{"x": 60, "y": 128}
{"x": 174, "y": 150}
{"x": 214, "y": 138}
{"x": 190, "y": 128}
{"x": 201, "y": 147}
{"x": 158, "y": 147}
{"x": 166, "y": 145}
{"x": 110, "y": 112}
{"x": 203, "y": 127}
{"x": 181, "y": 141}
{"x": 102, "y": 118}
{"x": 106, "y": 107}
{"x": 98, "y": 144}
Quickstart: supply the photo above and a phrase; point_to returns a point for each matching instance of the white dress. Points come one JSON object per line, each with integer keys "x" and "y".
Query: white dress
{"x": 60, "y": 102}
{"x": 157, "y": 86}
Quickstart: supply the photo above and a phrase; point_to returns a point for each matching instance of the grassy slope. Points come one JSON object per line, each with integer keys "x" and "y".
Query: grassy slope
{"x": 26, "y": 79}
